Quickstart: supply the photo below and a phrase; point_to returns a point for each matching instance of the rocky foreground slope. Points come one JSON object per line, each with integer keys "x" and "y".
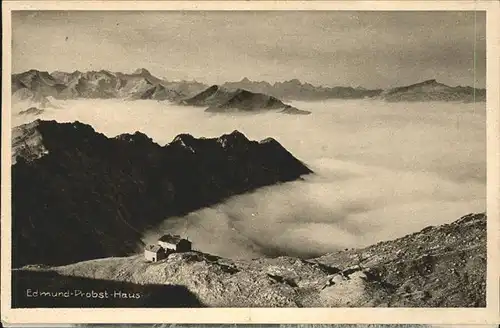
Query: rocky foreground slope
{"x": 78, "y": 195}
{"x": 443, "y": 266}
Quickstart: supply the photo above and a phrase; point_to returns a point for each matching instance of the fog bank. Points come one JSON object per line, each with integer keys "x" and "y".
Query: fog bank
{"x": 382, "y": 170}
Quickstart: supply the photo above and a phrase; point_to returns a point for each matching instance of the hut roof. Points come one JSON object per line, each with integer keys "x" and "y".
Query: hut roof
{"x": 172, "y": 239}
{"x": 153, "y": 248}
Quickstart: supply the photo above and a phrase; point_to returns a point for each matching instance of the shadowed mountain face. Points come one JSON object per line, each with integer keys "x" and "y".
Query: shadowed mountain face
{"x": 79, "y": 195}
{"x": 221, "y": 100}
{"x": 431, "y": 90}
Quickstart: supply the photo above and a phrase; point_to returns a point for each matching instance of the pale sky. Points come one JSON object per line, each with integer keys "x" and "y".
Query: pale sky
{"x": 370, "y": 49}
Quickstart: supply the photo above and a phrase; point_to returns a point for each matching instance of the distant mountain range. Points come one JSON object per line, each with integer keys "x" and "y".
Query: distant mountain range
{"x": 78, "y": 195}
{"x": 431, "y": 90}
{"x": 296, "y": 90}
{"x": 244, "y": 95}
{"x": 100, "y": 84}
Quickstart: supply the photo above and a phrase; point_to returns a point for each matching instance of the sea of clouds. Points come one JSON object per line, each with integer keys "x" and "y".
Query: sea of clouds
{"x": 382, "y": 170}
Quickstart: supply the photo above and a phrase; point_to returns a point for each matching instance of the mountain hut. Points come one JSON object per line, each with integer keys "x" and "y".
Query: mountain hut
{"x": 154, "y": 253}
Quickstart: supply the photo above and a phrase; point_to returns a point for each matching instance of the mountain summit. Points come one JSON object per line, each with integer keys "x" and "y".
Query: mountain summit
{"x": 142, "y": 71}
{"x": 223, "y": 100}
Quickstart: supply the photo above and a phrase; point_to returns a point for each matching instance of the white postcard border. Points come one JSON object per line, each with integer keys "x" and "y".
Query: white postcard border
{"x": 488, "y": 315}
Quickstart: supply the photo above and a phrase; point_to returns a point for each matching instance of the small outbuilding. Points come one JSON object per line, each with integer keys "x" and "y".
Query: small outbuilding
{"x": 174, "y": 243}
{"x": 154, "y": 253}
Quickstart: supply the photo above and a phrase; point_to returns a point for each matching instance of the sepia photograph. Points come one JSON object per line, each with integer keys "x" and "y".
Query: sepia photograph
{"x": 247, "y": 159}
